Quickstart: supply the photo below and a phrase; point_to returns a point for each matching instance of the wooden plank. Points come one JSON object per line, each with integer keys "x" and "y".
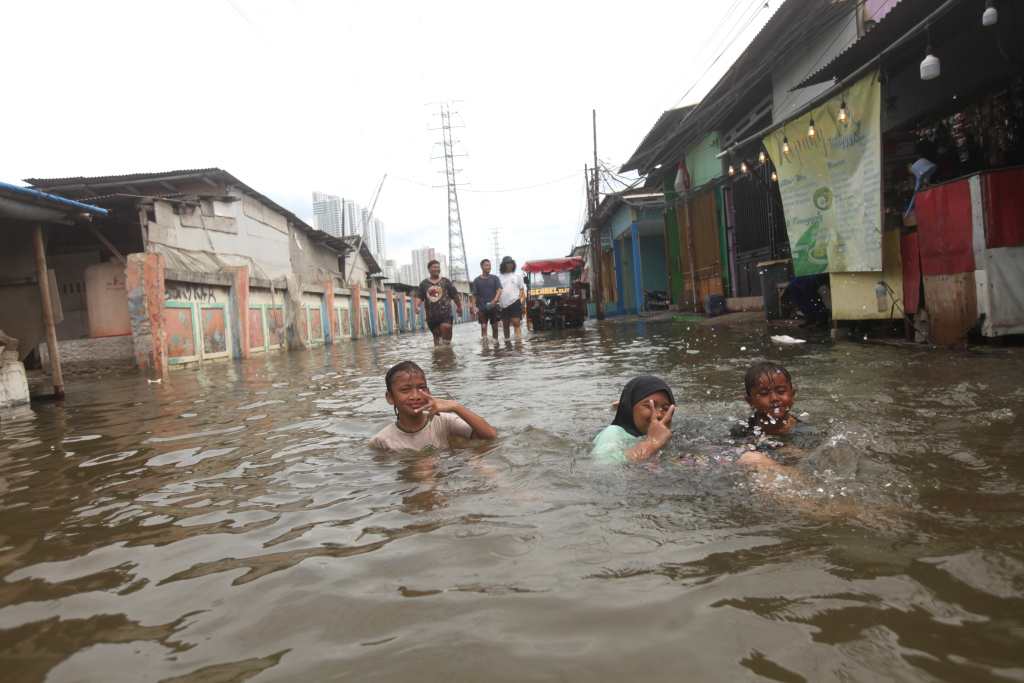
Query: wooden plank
{"x": 952, "y": 305}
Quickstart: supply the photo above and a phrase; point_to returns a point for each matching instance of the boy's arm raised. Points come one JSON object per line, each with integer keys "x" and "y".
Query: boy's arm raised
{"x": 481, "y": 428}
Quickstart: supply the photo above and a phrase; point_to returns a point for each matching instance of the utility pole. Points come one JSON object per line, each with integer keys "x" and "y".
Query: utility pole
{"x": 596, "y": 234}
{"x": 457, "y": 264}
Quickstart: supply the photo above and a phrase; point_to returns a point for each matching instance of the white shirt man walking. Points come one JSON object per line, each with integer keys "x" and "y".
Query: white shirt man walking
{"x": 509, "y": 296}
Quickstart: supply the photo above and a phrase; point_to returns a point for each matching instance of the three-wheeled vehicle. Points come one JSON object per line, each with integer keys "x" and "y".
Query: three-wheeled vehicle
{"x": 557, "y": 296}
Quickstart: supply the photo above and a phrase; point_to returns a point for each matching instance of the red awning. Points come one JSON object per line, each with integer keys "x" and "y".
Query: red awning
{"x": 553, "y": 265}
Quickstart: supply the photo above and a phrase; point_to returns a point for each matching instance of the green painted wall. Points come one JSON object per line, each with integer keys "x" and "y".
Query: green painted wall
{"x": 701, "y": 161}
{"x": 621, "y": 222}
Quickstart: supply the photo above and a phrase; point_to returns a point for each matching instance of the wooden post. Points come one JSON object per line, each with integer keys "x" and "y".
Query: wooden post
{"x": 332, "y": 315}
{"x": 51, "y": 331}
{"x": 599, "y": 300}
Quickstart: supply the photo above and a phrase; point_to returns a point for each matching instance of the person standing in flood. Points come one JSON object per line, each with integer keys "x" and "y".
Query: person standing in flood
{"x": 509, "y": 296}
{"x": 436, "y": 294}
{"x": 485, "y": 289}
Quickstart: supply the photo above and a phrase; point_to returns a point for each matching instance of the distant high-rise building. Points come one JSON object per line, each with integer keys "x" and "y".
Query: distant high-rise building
{"x": 327, "y": 213}
{"x": 420, "y": 259}
{"x": 406, "y": 276}
{"x": 378, "y": 248}
{"x": 390, "y": 270}
{"x": 353, "y": 218}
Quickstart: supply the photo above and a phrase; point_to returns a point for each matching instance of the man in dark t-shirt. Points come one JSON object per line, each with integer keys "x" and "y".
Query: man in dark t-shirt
{"x": 485, "y": 289}
{"x": 436, "y": 294}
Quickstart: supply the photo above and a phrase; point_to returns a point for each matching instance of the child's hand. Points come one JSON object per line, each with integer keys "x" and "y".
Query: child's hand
{"x": 438, "y": 405}
{"x": 659, "y": 430}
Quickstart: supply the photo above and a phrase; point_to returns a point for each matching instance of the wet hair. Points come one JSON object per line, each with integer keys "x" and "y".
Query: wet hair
{"x": 764, "y": 369}
{"x": 486, "y": 260}
{"x": 403, "y": 368}
{"x": 501, "y": 268}
{"x": 432, "y": 262}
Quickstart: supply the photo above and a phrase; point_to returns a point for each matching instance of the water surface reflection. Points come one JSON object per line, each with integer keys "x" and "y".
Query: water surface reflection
{"x": 230, "y": 524}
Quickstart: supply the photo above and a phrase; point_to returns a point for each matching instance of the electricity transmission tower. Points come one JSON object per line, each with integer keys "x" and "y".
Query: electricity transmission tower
{"x": 457, "y": 264}
{"x": 497, "y": 247}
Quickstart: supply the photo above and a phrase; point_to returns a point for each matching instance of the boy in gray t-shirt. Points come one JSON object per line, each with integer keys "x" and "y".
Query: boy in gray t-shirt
{"x": 484, "y": 289}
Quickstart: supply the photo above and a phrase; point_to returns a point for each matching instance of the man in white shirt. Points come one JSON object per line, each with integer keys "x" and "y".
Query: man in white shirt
{"x": 509, "y": 297}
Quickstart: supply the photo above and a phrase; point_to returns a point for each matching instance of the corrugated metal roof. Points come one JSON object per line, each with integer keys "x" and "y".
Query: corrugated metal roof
{"x": 57, "y": 185}
{"x": 668, "y": 120}
{"x": 735, "y": 92}
{"x": 895, "y": 23}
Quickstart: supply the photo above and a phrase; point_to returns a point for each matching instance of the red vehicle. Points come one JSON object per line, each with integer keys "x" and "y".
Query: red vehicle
{"x": 556, "y": 296}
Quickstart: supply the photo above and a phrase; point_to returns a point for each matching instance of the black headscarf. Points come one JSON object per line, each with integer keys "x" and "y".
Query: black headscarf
{"x": 636, "y": 390}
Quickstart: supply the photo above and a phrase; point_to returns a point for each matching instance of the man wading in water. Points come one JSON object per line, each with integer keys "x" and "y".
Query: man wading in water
{"x": 436, "y": 294}
{"x": 485, "y": 290}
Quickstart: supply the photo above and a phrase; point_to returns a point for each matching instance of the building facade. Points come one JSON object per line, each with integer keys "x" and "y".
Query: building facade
{"x": 328, "y": 214}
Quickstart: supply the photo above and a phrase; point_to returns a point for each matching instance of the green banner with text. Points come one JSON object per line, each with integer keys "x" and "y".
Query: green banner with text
{"x": 831, "y": 182}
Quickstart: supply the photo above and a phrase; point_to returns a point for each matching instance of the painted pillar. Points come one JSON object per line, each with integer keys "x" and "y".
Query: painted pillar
{"x": 623, "y": 295}
{"x": 330, "y": 315}
{"x": 355, "y": 308}
{"x": 47, "y": 306}
{"x": 391, "y": 312}
{"x": 238, "y": 306}
{"x": 401, "y": 312}
{"x": 373, "y": 312}
{"x": 637, "y": 274}
{"x": 144, "y": 279}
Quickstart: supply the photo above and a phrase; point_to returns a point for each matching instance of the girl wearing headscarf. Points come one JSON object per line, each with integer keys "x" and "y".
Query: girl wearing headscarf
{"x": 642, "y": 422}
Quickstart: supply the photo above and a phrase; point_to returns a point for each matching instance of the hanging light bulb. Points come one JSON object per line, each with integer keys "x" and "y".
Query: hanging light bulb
{"x": 890, "y": 109}
{"x": 760, "y": 157}
{"x": 785, "y": 145}
{"x": 842, "y": 112}
{"x": 991, "y": 15}
{"x": 743, "y": 167}
{"x": 930, "y": 64}
{"x": 775, "y": 177}
{"x": 732, "y": 171}
{"x": 810, "y": 129}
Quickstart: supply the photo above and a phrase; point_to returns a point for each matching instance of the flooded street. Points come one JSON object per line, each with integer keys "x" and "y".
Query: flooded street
{"x": 230, "y": 524}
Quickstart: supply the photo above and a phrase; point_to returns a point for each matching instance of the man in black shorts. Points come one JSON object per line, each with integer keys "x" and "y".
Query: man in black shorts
{"x": 485, "y": 289}
{"x": 436, "y": 294}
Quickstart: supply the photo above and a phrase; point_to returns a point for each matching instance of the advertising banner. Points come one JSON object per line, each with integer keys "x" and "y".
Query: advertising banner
{"x": 831, "y": 182}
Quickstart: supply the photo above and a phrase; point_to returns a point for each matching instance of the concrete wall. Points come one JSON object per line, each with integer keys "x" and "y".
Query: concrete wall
{"x": 21, "y": 314}
{"x": 92, "y": 356}
{"x": 309, "y": 258}
{"x": 241, "y": 227}
{"x": 70, "y": 272}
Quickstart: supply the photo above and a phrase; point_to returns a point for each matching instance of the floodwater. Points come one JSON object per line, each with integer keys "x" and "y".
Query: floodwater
{"x": 229, "y": 524}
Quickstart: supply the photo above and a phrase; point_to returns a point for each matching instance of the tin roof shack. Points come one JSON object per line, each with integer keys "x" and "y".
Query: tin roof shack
{"x": 221, "y": 270}
{"x": 29, "y": 306}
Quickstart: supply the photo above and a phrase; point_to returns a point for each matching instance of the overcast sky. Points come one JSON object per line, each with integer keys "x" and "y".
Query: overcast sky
{"x": 302, "y": 95}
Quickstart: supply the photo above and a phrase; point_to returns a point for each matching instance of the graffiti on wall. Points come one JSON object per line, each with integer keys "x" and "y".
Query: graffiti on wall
{"x": 255, "y": 328}
{"x": 181, "y": 341}
{"x": 186, "y": 291}
{"x": 214, "y": 331}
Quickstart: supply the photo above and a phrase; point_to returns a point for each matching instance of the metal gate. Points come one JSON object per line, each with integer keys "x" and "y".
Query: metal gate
{"x": 760, "y": 226}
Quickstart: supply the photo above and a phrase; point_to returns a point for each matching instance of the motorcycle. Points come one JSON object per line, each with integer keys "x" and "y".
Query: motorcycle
{"x": 656, "y": 301}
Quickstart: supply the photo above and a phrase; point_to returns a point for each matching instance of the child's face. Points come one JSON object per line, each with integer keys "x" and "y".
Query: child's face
{"x": 643, "y": 415}
{"x": 409, "y": 393}
{"x": 772, "y": 397}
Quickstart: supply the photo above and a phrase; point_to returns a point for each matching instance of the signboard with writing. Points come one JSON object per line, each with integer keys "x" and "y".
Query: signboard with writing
{"x": 606, "y": 237}
{"x": 831, "y": 183}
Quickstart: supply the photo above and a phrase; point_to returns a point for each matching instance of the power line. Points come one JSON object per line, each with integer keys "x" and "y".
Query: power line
{"x": 511, "y": 189}
{"x": 249, "y": 21}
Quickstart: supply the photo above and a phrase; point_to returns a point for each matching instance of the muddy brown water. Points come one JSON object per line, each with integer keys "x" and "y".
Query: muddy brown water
{"x": 229, "y": 524}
